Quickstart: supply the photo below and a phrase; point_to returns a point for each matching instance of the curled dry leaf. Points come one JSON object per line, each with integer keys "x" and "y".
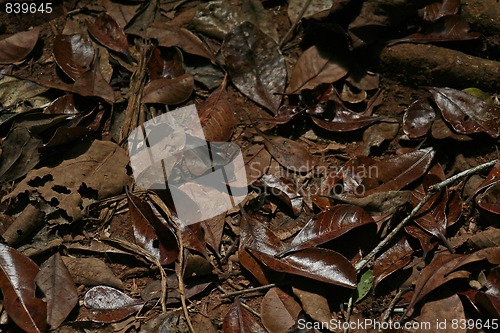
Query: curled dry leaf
{"x": 73, "y": 54}
{"x": 316, "y": 66}
{"x": 290, "y": 154}
{"x": 255, "y": 65}
{"x": 17, "y": 281}
{"x": 315, "y": 7}
{"x": 169, "y": 91}
{"x": 328, "y": 225}
{"x": 318, "y": 264}
{"x": 418, "y": 119}
{"x": 240, "y": 320}
{"x": 467, "y": 114}
{"x": 110, "y": 305}
{"x": 16, "y": 47}
{"x": 109, "y": 33}
{"x": 59, "y": 289}
{"x": 279, "y": 311}
{"x": 150, "y": 233}
{"x": 217, "y": 116}
{"x": 92, "y": 83}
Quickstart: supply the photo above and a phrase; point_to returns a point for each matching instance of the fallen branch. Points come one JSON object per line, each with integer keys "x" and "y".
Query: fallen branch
{"x": 246, "y": 291}
{"x": 432, "y": 190}
{"x": 179, "y": 270}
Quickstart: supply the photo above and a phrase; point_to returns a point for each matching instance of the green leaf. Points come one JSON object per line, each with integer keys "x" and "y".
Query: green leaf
{"x": 364, "y": 286}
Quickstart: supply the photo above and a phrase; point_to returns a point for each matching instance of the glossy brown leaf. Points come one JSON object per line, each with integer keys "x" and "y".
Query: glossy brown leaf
{"x": 279, "y": 311}
{"x": 467, "y": 114}
{"x": 92, "y": 83}
{"x": 168, "y": 36}
{"x": 212, "y": 231}
{"x": 255, "y": 65}
{"x": 17, "y": 282}
{"x": 314, "y": 67}
{"x": 393, "y": 259}
{"x": 59, "y": 289}
{"x": 240, "y": 320}
{"x": 165, "y": 63}
{"x": 257, "y": 160}
{"x": 318, "y": 264}
{"x": 492, "y": 178}
{"x": 19, "y": 154}
{"x": 364, "y": 175}
{"x": 109, "y": 33}
{"x": 284, "y": 189}
{"x": 446, "y": 28}
{"x": 254, "y": 234}
{"x": 150, "y": 233}
{"x": 489, "y": 199}
{"x": 73, "y": 53}
{"x": 289, "y": 153}
{"x": 438, "y": 272}
{"x": 217, "y": 116}
{"x": 16, "y": 47}
{"x": 62, "y": 105}
{"x": 439, "y": 9}
{"x": 169, "y": 91}
{"x": 110, "y": 305}
{"x": 328, "y": 225}
{"x": 418, "y": 119}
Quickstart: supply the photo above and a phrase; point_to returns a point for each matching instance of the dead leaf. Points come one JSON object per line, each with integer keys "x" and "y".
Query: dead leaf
{"x": 284, "y": 190}
{"x": 217, "y": 116}
{"x": 109, "y": 305}
{"x": 169, "y": 91}
{"x": 91, "y": 272}
{"x": 16, "y": 47}
{"x": 314, "y": 301}
{"x": 318, "y": 264}
{"x": 150, "y": 233}
{"x": 279, "y": 311}
{"x": 418, "y": 119}
{"x": 109, "y": 33}
{"x": 449, "y": 310}
{"x": 315, "y": 7}
{"x": 376, "y": 134}
{"x": 168, "y": 36}
{"x": 445, "y": 28}
{"x": 92, "y": 83}
{"x": 73, "y": 53}
{"x": 14, "y": 90}
{"x": 467, "y": 114}
{"x": 328, "y": 225}
{"x": 97, "y": 173}
{"x": 17, "y": 282}
{"x": 316, "y": 66}
{"x": 255, "y": 65}
{"x": 59, "y": 289}
{"x": 393, "y": 259}
{"x": 19, "y": 154}
{"x": 165, "y": 63}
{"x": 292, "y": 155}
{"x": 240, "y": 320}
{"x": 439, "y": 9}
{"x": 257, "y": 160}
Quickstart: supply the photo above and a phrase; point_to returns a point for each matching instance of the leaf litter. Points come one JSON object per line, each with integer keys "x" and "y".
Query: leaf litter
{"x": 335, "y": 152}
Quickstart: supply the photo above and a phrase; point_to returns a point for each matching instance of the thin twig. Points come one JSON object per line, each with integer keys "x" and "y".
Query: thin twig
{"x": 348, "y": 312}
{"x": 139, "y": 250}
{"x": 250, "y": 290}
{"x": 432, "y": 190}
{"x": 391, "y": 306}
{"x": 250, "y": 309}
{"x": 294, "y": 25}
{"x": 179, "y": 268}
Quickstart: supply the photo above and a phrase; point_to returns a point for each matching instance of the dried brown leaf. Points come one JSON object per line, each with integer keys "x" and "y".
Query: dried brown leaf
{"x": 16, "y": 47}
{"x": 169, "y": 91}
{"x": 240, "y": 320}
{"x": 279, "y": 311}
{"x": 109, "y": 33}
{"x": 73, "y": 53}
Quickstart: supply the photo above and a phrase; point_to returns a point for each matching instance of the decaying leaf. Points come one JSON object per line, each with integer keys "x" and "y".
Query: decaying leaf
{"x": 59, "y": 289}
{"x": 17, "y": 282}
{"x": 315, "y": 7}
{"x": 393, "y": 259}
{"x": 16, "y": 47}
{"x": 110, "y": 305}
{"x": 418, "y": 119}
{"x": 467, "y": 114}
{"x": 240, "y": 320}
{"x": 439, "y": 9}
{"x": 109, "y": 33}
{"x": 316, "y": 66}
{"x": 257, "y": 160}
{"x": 283, "y": 189}
{"x": 169, "y": 91}
{"x": 217, "y": 117}
{"x": 73, "y": 53}
{"x": 97, "y": 173}
{"x": 91, "y": 272}
{"x": 255, "y": 65}
{"x": 279, "y": 311}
